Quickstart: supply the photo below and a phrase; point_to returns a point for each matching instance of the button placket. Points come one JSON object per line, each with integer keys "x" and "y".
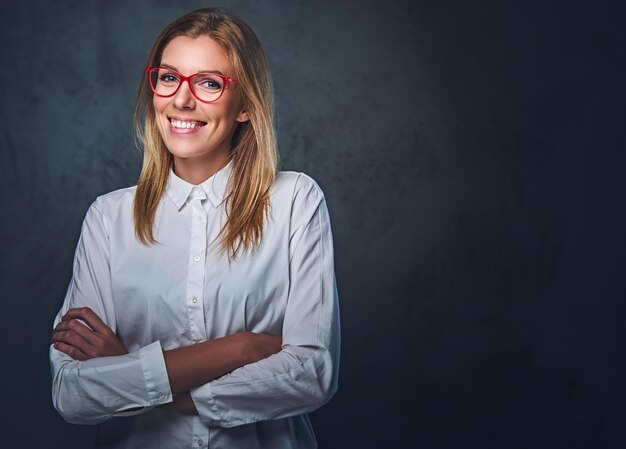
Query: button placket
{"x": 200, "y": 434}
{"x": 195, "y": 277}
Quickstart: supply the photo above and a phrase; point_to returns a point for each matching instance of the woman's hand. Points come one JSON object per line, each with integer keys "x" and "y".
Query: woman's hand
{"x": 83, "y": 342}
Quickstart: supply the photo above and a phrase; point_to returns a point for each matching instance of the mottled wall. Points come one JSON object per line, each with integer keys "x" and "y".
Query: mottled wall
{"x": 469, "y": 155}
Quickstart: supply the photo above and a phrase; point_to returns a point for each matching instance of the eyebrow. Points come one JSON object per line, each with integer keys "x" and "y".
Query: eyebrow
{"x": 201, "y": 71}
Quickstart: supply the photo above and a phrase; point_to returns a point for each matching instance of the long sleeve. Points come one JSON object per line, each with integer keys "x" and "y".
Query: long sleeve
{"x": 92, "y": 391}
{"x": 303, "y": 375}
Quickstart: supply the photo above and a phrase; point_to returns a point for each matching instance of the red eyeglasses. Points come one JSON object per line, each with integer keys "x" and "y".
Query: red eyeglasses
{"x": 205, "y": 86}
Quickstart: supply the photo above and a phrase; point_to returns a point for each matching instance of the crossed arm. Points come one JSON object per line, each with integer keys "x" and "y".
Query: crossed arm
{"x": 187, "y": 367}
{"x": 268, "y": 377}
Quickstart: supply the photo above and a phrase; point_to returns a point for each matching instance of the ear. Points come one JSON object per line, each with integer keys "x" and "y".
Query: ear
{"x": 243, "y": 116}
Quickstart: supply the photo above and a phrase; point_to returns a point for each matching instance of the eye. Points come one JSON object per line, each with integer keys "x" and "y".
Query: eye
{"x": 168, "y": 78}
{"x": 209, "y": 83}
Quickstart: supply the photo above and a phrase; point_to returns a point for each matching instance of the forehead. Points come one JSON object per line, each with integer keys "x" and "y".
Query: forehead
{"x": 190, "y": 55}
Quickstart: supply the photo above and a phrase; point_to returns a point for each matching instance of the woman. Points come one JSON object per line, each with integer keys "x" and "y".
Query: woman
{"x": 203, "y": 299}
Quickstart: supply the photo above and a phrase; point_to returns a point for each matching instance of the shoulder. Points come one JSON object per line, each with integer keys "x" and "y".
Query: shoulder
{"x": 298, "y": 198}
{"x": 296, "y": 185}
{"x": 115, "y": 199}
{"x": 112, "y": 206}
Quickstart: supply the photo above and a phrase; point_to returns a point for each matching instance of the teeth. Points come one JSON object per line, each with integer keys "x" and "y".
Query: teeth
{"x": 185, "y": 125}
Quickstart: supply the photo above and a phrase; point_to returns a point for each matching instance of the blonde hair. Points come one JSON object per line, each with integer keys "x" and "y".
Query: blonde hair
{"x": 254, "y": 155}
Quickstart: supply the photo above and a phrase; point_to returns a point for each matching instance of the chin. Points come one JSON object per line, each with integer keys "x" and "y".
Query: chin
{"x": 184, "y": 153}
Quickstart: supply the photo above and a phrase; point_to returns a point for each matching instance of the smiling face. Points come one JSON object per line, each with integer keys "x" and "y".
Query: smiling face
{"x": 197, "y": 134}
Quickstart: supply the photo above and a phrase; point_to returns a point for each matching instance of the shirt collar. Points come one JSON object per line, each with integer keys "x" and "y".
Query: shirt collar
{"x": 179, "y": 190}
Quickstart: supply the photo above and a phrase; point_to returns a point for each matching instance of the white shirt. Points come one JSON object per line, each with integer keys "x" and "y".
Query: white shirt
{"x": 182, "y": 291}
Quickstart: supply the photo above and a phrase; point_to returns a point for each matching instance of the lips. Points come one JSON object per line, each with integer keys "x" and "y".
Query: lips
{"x": 183, "y": 123}
{"x": 180, "y": 126}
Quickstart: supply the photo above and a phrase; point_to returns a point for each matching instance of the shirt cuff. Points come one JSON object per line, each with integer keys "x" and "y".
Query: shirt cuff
{"x": 206, "y": 405}
{"x": 155, "y": 374}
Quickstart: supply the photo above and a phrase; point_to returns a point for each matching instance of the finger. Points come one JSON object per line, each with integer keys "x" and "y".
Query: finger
{"x": 73, "y": 339}
{"x": 70, "y": 350}
{"x": 75, "y": 314}
{"x": 89, "y": 317}
{"x": 79, "y": 328}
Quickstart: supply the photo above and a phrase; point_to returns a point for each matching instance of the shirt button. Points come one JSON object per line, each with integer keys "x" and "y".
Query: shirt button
{"x": 200, "y": 443}
{"x": 197, "y": 258}
{"x": 194, "y": 299}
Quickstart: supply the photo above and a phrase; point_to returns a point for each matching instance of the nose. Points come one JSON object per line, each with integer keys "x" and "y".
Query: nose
{"x": 184, "y": 98}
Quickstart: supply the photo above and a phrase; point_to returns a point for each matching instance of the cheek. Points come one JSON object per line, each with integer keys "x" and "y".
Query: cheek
{"x": 157, "y": 104}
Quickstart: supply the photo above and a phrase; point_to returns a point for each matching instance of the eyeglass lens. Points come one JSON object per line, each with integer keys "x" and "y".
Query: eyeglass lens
{"x": 206, "y": 86}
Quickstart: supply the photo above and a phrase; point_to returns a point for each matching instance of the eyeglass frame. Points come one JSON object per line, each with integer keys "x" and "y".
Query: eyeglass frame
{"x": 226, "y": 79}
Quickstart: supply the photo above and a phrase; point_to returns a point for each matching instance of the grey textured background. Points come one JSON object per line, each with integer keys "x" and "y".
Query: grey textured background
{"x": 474, "y": 173}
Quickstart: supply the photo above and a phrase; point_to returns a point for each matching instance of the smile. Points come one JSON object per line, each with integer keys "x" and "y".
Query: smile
{"x": 186, "y": 124}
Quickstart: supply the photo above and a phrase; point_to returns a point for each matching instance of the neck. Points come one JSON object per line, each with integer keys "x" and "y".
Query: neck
{"x": 195, "y": 171}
